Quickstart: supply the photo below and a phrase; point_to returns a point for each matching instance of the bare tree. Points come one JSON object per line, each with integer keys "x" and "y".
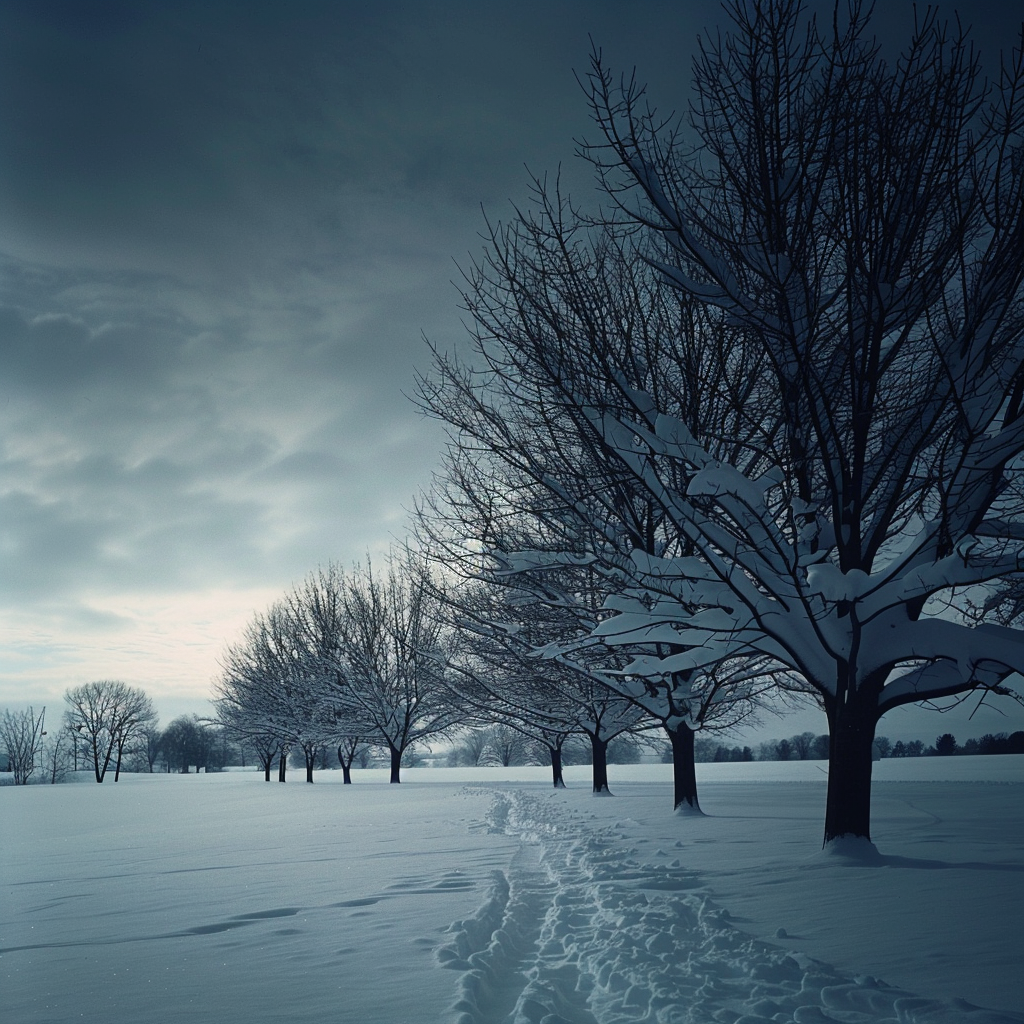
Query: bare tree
{"x": 863, "y": 223}
{"x": 270, "y": 693}
{"x": 387, "y": 667}
{"x": 496, "y": 669}
{"x": 107, "y": 714}
{"x": 21, "y": 737}
{"x": 533, "y": 498}
{"x": 148, "y": 747}
{"x": 58, "y": 753}
{"x": 352, "y": 750}
{"x": 803, "y": 745}
{"x": 240, "y": 710}
{"x": 186, "y": 742}
{"x": 132, "y": 715}
{"x": 346, "y": 660}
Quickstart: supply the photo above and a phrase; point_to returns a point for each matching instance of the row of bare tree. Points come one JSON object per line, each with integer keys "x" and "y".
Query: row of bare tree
{"x": 386, "y": 659}
{"x": 757, "y": 424}
{"x": 103, "y": 721}
{"x": 345, "y": 659}
{"x": 755, "y": 427}
{"x": 108, "y": 724}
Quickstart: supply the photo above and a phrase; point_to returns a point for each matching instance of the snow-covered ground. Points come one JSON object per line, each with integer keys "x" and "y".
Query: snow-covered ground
{"x": 483, "y": 896}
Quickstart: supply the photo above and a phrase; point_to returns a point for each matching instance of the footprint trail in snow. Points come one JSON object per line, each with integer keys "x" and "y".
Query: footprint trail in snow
{"x": 577, "y": 931}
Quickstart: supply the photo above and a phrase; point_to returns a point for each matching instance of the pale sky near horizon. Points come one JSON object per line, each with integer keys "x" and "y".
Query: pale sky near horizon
{"x": 225, "y": 227}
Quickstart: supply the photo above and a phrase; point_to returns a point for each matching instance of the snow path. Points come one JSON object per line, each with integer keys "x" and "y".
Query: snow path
{"x": 578, "y": 931}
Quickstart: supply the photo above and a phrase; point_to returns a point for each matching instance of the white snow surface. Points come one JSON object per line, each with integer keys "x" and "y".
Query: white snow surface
{"x": 482, "y": 895}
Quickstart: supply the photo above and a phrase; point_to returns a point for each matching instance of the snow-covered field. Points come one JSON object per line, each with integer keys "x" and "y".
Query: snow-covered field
{"x": 483, "y": 896}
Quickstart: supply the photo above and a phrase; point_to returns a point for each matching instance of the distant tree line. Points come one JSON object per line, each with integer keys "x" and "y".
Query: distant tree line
{"x": 990, "y": 743}
{"x": 808, "y": 746}
{"x": 106, "y": 728}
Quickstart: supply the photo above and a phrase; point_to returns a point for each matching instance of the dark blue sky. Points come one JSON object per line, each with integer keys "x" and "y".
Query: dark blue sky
{"x": 224, "y": 228}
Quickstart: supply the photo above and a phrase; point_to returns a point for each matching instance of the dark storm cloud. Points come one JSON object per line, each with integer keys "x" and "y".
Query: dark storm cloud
{"x": 245, "y": 125}
{"x": 234, "y": 138}
{"x": 226, "y": 226}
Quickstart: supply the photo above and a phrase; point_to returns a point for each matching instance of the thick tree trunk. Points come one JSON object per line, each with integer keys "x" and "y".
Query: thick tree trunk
{"x": 396, "y": 763}
{"x": 266, "y": 769}
{"x": 117, "y": 767}
{"x": 556, "y": 767}
{"x": 282, "y": 766}
{"x": 851, "y": 735}
{"x": 346, "y": 767}
{"x": 310, "y": 760}
{"x": 599, "y": 749}
{"x": 684, "y": 771}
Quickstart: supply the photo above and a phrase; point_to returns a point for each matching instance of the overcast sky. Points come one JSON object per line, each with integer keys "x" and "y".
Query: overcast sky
{"x": 224, "y": 228}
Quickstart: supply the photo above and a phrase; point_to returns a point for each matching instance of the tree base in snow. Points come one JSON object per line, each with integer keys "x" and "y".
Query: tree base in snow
{"x": 685, "y": 810}
{"x": 852, "y": 850}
